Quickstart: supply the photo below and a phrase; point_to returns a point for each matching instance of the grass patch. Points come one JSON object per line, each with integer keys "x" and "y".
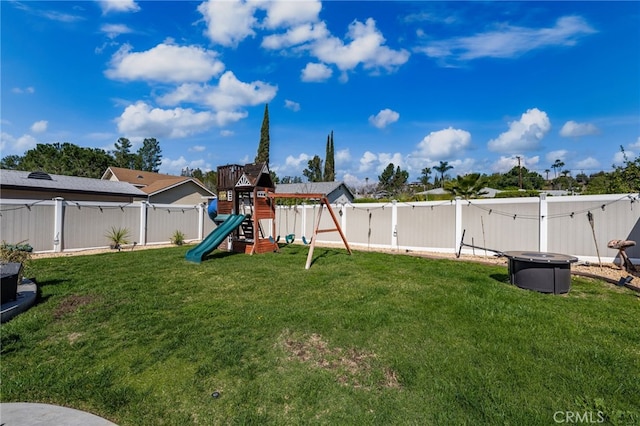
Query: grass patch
{"x": 146, "y": 338}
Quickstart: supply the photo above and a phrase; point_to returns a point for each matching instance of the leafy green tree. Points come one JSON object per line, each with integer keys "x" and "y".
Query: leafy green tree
{"x": 399, "y": 180}
{"x": 329, "y": 163}
{"x": 62, "y": 159}
{"x": 385, "y": 180}
{"x": 511, "y": 179}
{"x": 263, "y": 147}
{"x": 313, "y": 172}
{"x": 442, "y": 168}
{"x": 393, "y": 179}
{"x": 467, "y": 186}
{"x": 149, "y": 155}
{"x": 291, "y": 179}
{"x": 122, "y": 154}
{"x": 11, "y": 162}
{"x": 208, "y": 179}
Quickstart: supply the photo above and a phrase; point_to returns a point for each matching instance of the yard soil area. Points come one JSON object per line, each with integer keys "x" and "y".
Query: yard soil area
{"x": 608, "y": 271}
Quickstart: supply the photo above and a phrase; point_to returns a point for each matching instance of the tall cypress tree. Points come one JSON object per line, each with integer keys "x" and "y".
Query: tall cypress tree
{"x": 263, "y": 147}
{"x": 329, "y": 164}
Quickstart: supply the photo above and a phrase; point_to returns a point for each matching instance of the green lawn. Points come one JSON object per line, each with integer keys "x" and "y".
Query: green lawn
{"x": 146, "y": 338}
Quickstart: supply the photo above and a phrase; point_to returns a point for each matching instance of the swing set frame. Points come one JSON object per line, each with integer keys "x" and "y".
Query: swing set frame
{"x": 316, "y": 228}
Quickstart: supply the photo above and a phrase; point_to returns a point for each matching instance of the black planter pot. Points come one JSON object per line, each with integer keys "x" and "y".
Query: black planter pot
{"x": 9, "y": 273}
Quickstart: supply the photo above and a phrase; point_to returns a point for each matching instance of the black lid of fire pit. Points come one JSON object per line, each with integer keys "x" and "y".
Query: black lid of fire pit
{"x": 540, "y": 257}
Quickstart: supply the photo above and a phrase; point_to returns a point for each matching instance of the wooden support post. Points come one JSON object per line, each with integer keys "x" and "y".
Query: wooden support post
{"x": 316, "y": 230}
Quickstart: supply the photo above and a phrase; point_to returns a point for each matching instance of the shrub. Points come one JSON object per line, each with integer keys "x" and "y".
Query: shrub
{"x": 177, "y": 238}
{"x": 19, "y": 253}
{"x": 118, "y": 237}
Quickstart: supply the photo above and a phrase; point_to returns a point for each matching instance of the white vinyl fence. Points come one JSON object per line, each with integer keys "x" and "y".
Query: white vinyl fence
{"x": 551, "y": 224}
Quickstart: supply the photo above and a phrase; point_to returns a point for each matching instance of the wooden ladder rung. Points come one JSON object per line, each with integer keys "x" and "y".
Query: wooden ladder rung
{"x": 326, "y": 230}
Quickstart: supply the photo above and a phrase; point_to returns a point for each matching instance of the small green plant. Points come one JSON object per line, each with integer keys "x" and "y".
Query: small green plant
{"x": 177, "y": 238}
{"x": 118, "y": 237}
{"x": 18, "y": 253}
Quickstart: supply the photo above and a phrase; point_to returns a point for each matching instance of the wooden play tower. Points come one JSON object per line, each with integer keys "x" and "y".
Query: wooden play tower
{"x": 243, "y": 190}
{"x": 249, "y": 190}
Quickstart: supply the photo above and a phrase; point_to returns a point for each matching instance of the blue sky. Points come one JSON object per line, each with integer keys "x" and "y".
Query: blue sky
{"x": 413, "y": 83}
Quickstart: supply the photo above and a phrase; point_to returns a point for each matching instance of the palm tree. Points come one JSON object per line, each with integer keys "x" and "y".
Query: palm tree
{"x": 547, "y": 172}
{"x": 557, "y": 165}
{"x": 442, "y": 168}
{"x": 468, "y": 186}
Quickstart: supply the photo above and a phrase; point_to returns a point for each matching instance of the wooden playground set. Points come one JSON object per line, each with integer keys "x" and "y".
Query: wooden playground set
{"x": 246, "y": 219}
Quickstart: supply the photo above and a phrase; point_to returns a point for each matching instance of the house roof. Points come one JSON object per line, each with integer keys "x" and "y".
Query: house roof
{"x": 149, "y": 182}
{"x": 20, "y": 180}
{"x": 311, "y": 188}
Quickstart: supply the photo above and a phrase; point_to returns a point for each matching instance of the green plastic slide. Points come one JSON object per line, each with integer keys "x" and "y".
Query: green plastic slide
{"x": 215, "y": 238}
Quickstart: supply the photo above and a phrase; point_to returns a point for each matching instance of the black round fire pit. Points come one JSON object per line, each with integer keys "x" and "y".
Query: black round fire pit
{"x": 543, "y": 272}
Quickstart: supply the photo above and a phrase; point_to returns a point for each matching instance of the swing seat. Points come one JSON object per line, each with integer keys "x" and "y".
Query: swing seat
{"x": 272, "y": 241}
{"x": 290, "y": 238}
{"x": 304, "y": 240}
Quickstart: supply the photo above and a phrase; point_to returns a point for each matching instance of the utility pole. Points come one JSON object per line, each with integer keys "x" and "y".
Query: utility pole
{"x": 519, "y": 172}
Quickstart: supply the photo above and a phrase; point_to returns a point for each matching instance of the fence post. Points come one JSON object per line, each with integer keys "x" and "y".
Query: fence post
{"x": 303, "y": 221}
{"x": 201, "y": 221}
{"x": 394, "y": 223}
{"x": 343, "y": 221}
{"x": 543, "y": 218}
{"x": 143, "y": 224}
{"x": 458, "y": 223}
{"x": 58, "y": 216}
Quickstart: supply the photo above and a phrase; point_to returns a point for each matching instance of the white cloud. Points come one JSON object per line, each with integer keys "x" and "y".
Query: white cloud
{"x": 343, "y": 156}
{"x": 298, "y": 35}
{"x": 560, "y": 154}
{"x": 296, "y": 162}
{"x": 316, "y": 73}
{"x": 19, "y": 90}
{"x": 367, "y": 161}
{"x": 174, "y": 167}
{"x": 231, "y": 93}
{"x": 636, "y": 144}
{"x": 228, "y": 22}
{"x": 108, "y": 6}
{"x": 506, "y": 163}
{"x": 197, "y": 148}
{"x": 141, "y": 119}
{"x": 39, "y": 126}
{"x": 114, "y": 30}
{"x": 524, "y": 134}
{"x": 228, "y": 95}
{"x": 588, "y": 163}
{"x": 574, "y": 129}
{"x": 226, "y": 133}
{"x": 281, "y": 13}
{"x": 353, "y": 181}
{"x": 366, "y": 47}
{"x": 508, "y": 41}
{"x": 370, "y": 162}
{"x": 12, "y": 145}
{"x": 293, "y": 106}
{"x": 443, "y": 144}
{"x": 619, "y": 157}
{"x": 384, "y": 118}
{"x": 165, "y": 63}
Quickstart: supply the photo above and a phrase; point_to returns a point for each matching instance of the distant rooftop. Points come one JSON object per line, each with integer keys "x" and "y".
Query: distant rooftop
{"x": 18, "y": 179}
